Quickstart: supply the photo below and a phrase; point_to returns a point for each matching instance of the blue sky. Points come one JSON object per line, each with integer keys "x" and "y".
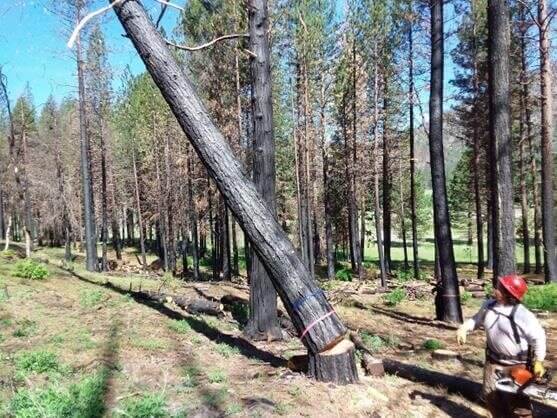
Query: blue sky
{"x": 33, "y": 48}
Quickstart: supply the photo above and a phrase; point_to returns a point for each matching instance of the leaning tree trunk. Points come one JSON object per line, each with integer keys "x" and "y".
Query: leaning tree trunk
{"x": 91, "y": 261}
{"x": 500, "y": 139}
{"x": 319, "y": 326}
{"x": 546, "y": 99}
{"x": 448, "y": 291}
{"x": 263, "y": 321}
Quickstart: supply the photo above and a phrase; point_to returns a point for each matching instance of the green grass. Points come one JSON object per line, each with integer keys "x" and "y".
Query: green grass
{"x": 80, "y": 400}
{"x": 432, "y": 344}
{"x": 344, "y": 275}
{"x": 216, "y": 376}
{"x": 542, "y": 297}
{"x": 25, "y": 328}
{"x": 30, "y": 269}
{"x": 179, "y": 326}
{"x": 395, "y": 296}
{"x": 151, "y": 344}
{"x": 37, "y": 362}
{"x": 90, "y": 298}
{"x": 147, "y": 406}
{"x": 372, "y": 341}
{"x": 226, "y": 350}
{"x": 465, "y": 297}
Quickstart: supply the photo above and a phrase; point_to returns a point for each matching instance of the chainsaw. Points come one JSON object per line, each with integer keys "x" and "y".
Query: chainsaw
{"x": 522, "y": 381}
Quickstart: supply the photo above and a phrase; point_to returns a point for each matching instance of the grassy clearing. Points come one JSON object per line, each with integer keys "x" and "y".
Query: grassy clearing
{"x": 37, "y": 362}
{"x": 226, "y": 350}
{"x": 146, "y": 406}
{"x": 179, "y": 326}
{"x": 91, "y": 298}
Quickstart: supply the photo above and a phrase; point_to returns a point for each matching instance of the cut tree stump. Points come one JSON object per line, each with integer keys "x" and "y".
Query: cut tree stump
{"x": 336, "y": 365}
{"x": 445, "y": 355}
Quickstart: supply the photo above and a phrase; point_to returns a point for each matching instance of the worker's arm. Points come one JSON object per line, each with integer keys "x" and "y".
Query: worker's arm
{"x": 472, "y": 323}
{"x": 535, "y": 335}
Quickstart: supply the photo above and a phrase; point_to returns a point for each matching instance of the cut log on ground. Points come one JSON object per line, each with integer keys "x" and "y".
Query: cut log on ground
{"x": 444, "y": 355}
{"x": 191, "y": 306}
{"x": 372, "y": 365}
{"x": 317, "y": 323}
{"x": 335, "y": 365}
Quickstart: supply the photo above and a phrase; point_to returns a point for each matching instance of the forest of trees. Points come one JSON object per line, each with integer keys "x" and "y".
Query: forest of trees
{"x": 324, "y": 105}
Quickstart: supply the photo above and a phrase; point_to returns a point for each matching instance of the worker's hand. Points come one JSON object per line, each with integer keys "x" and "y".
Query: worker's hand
{"x": 461, "y": 334}
{"x": 539, "y": 370}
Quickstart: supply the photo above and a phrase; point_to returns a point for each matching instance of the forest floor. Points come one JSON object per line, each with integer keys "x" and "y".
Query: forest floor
{"x": 72, "y": 343}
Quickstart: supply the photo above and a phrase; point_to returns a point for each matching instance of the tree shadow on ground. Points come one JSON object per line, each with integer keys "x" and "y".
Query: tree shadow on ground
{"x": 453, "y": 384}
{"x": 402, "y": 316}
{"x": 198, "y": 325}
{"x": 451, "y": 408}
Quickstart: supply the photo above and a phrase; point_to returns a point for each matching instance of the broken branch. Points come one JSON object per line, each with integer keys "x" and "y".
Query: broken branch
{"x": 208, "y": 44}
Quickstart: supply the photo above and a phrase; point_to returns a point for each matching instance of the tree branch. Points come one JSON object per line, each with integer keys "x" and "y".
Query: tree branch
{"x": 208, "y": 44}
{"x": 166, "y": 3}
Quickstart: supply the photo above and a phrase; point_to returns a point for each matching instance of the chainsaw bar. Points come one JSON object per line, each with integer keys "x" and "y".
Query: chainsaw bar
{"x": 532, "y": 390}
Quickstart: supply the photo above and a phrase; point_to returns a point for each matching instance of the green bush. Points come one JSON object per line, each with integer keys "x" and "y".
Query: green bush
{"x": 404, "y": 275}
{"x": 372, "y": 341}
{"x": 433, "y": 344}
{"x": 394, "y": 297}
{"x": 83, "y": 399}
{"x": 488, "y": 289}
{"x": 465, "y": 297}
{"x": 344, "y": 275}
{"x": 542, "y": 297}
{"x": 29, "y": 269}
{"x": 147, "y": 406}
{"x": 37, "y": 362}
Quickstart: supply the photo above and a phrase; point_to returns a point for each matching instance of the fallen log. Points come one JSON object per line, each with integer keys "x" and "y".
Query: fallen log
{"x": 191, "y": 306}
{"x": 441, "y": 354}
{"x": 372, "y": 365}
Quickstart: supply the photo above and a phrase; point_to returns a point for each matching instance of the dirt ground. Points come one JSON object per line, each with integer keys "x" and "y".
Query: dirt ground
{"x": 200, "y": 366}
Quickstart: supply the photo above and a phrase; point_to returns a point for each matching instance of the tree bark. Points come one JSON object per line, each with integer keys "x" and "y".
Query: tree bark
{"x": 386, "y": 179}
{"x": 91, "y": 262}
{"x": 500, "y": 138}
{"x": 355, "y": 236}
{"x": 139, "y": 216}
{"x": 263, "y": 321}
{"x": 546, "y": 103}
{"x": 317, "y": 323}
{"x": 62, "y": 195}
{"x": 449, "y": 291}
{"x": 104, "y": 201}
{"x": 377, "y": 205}
{"x": 192, "y": 217}
{"x": 413, "y": 217}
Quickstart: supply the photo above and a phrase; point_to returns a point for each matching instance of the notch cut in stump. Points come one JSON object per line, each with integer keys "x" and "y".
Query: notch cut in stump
{"x": 336, "y": 365}
{"x": 298, "y": 363}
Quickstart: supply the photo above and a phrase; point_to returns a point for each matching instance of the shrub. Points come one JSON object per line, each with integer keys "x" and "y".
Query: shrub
{"x": 344, "y": 275}
{"x": 83, "y": 399}
{"x": 372, "y": 341}
{"x": 542, "y": 297}
{"x": 488, "y": 289}
{"x": 404, "y": 275}
{"x": 147, "y": 406}
{"x": 29, "y": 269}
{"x": 465, "y": 297}
{"x": 37, "y": 362}
{"x": 433, "y": 344}
{"x": 394, "y": 297}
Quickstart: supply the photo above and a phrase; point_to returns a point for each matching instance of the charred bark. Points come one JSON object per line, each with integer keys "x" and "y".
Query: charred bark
{"x": 317, "y": 323}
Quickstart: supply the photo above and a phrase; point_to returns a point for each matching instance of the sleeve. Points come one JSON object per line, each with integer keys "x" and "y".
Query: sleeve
{"x": 477, "y": 320}
{"x": 535, "y": 335}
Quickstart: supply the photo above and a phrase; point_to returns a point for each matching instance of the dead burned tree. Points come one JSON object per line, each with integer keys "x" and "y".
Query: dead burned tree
{"x": 317, "y": 323}
{"x": 263, "y": 320}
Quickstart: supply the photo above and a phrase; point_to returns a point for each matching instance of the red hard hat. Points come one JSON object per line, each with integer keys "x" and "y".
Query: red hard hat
{"x": 514, "y": 284}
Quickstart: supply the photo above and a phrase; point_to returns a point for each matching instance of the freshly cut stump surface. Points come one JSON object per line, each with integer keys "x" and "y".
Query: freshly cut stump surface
{"x": 336, "y": 365}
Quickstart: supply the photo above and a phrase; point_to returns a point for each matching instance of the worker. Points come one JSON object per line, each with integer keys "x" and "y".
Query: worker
{"x": 515, "y": 339}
